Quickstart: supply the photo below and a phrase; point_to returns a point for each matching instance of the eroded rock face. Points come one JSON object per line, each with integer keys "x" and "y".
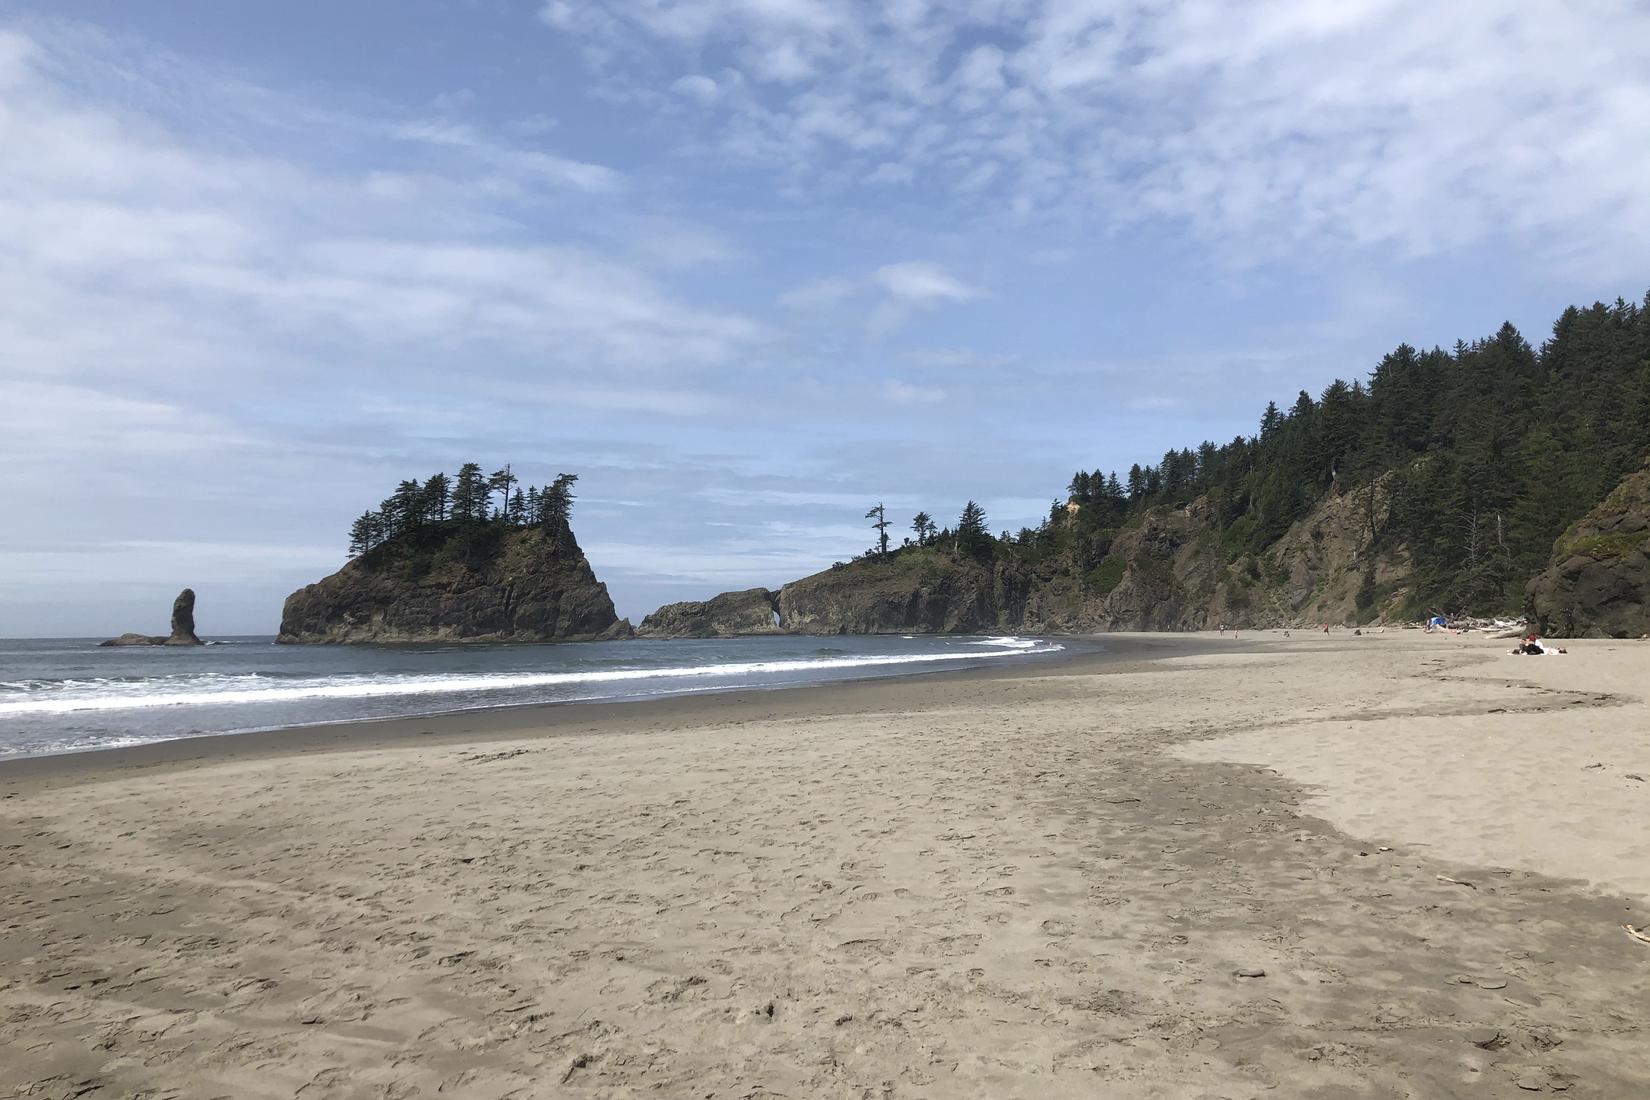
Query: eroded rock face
{"x": 1597, "y": 583}
{"x": 729, "y": 615}
{"x": 183, "y": 626}
{"x": 907, "y": 594}
{"x": 1166, "y": 571}
{"x": 498, "y": 586}
{"x": 183, "y": 619}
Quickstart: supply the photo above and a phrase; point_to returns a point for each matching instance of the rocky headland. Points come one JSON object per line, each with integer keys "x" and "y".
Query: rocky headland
{"x": 1181, "y": 569}
{"x": 183, "y": 627}
{"x": 1170, "y": 569}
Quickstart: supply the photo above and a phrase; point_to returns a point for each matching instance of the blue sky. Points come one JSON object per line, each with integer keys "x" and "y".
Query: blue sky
{"x": 746, "y": 266}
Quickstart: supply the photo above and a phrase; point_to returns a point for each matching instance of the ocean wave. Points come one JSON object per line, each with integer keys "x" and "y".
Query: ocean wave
{"x": 239, "y": 690}
{"x": 1009, "y": 642}
{"x": 80, "y": 743}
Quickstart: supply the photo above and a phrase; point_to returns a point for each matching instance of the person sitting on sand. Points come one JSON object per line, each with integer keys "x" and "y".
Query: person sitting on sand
{"x": 1534, "y": 646}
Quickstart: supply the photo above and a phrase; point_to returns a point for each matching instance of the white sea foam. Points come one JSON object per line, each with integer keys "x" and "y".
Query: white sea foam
{"x": 239, "y": 690}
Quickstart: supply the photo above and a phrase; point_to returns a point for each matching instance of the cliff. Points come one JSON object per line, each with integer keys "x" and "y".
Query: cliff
{"x": 732, "y": 614}
{"x": 183, "y": 626}
{"x": 1181, "y": 569}
{"x": 1168, "y": 569}
{"x": 458, "y": 583}
{"x": 914, "y": 591}
{"x": 1597, "y": 583}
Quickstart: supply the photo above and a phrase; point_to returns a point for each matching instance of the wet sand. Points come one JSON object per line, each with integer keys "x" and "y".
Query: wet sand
{"x": 1048, "y": 882}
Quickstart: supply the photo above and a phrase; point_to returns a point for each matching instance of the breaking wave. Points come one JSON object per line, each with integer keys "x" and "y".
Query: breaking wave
{"x": 70, "y": 696}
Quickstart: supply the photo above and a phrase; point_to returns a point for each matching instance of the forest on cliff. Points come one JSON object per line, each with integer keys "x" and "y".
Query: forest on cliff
{"x": 1470, "y": 460}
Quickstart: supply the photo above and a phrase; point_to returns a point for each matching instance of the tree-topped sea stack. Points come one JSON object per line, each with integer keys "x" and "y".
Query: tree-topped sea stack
{"x": 442, "y": 561}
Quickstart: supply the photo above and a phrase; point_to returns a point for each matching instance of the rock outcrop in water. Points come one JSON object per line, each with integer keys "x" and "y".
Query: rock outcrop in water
{"x": 478, "y": 583}
{"x": 183, "y": 626}
{"x": 1597, "y": 583}
{"x": 730, "y": 615}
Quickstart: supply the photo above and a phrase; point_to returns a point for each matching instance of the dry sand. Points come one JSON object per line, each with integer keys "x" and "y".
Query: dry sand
{"x": 1016, "y": 885}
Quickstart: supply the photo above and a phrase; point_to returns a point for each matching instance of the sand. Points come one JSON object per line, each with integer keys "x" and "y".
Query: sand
{"x": 1044, "y": 884}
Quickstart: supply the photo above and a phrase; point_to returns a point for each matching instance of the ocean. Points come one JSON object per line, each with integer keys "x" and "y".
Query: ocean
{"x": 69, "y": 695}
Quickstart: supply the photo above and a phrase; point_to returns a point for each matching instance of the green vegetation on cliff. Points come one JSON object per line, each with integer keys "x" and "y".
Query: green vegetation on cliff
{"x": 1486, "y": 453}
{"x": 1438, "y": 483}
{"x": 1598, "y": 581}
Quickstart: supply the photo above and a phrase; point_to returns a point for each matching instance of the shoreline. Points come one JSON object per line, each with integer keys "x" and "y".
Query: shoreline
{"x": 1385, "y": 867}
{"x": 607, "y": 716}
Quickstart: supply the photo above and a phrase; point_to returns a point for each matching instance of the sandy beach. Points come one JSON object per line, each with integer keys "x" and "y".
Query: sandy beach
{"x": 1395, "y": 865}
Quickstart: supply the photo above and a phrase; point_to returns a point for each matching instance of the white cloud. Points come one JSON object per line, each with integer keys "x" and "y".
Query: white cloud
{"x": 126, "y": 240}
{"x": 957, "y": 359}
{"x": 904, "y": 393}
{"x": 921, "y": 283}
{"x": 821, "y": 293}
{"x": 1271, "y": 128}
{"x": 225, "y": 341}
{"x": 696, "y": 86}
{"x": 520, "y": 164}
{"x": 16, "y": 57}
{"x": 888, "y": 296}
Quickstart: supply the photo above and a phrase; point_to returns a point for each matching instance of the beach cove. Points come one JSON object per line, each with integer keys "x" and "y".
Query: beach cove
{"x": 1329, "y": 866}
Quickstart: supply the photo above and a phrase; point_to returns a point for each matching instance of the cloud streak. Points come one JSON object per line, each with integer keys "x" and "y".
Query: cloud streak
{"x": 1269, "y": 128}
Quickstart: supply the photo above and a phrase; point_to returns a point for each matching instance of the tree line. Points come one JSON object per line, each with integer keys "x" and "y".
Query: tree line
{"x": 1481, "y": 456}
{"x": 1484, "y": 454}
{"x": 470, "y": 499}
{"x": 969, "y": 539}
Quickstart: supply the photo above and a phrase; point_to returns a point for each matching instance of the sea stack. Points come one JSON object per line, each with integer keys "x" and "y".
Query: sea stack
{"x": 458, "y": 583}
{"x": 183, "y": 620}
{"x": 183, "y": 626}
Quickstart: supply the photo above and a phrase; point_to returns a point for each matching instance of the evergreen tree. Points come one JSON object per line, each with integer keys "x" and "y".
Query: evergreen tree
{"x": 361, "y": 535}
{"x": 502, "y": 482}
{"x": 923, "y": 524}
{"x": 556, "y": 505}
{"x": 409, "y": 505}
{"x": 437, "y": 492}
{"x": 1137, "y": 482}
{"x": 390, "y": 525}
{"x": 1270, "y": 421}
{"x": 880, "y": 514}
{"x": 973, "y": 540}
{"x": 470, "y": 494}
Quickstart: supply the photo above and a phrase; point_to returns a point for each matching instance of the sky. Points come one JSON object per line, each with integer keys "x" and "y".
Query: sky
{"x": 747, "y": 267}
